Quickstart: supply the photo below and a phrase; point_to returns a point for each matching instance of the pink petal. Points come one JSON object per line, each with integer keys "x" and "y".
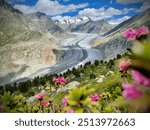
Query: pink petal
{"x": 131, "y": 92}
{"x": 140, "y": 78}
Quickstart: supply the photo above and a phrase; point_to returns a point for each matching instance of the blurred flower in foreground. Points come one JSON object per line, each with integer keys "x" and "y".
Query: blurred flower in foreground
{"x": 131, "y": 92}
{"x": 138, "y": 92}
{"x": 140, "y": 78}
{"x": 130, "y": 34}
{"x": 135, "y": 34}
{"x": 142, "y": 31}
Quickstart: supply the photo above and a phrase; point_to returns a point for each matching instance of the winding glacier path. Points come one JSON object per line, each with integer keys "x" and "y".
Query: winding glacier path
{"x": 77, "y": 51}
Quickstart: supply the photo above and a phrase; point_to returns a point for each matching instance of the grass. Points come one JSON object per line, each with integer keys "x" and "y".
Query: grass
{"x": 109, "y": 89}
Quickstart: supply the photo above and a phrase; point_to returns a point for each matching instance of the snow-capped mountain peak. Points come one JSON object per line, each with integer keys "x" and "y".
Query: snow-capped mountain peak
{"x": 84, "y": 24}
{"x": 73, "y": 21}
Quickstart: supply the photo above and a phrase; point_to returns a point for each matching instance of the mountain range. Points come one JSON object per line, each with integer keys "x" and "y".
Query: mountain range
{"x": 13, "y": 21}
{"x": 27, "y": 42}
{"x": 85, "y": 25}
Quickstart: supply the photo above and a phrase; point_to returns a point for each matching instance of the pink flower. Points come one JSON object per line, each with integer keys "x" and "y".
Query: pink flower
{"x": 94, "y": 97}
{"x": 130, "y": 34}
{"x": 40, "y": 96}
{"x": 69, "y": 111}
{"x": 131, "y": 92}
{"x": 43, "y": 103}
{"x": 133, "y": 34}
{"x": 62, "y": 80}
{"x": 142, "y": 31}
{"x": 123, "y": 65}
{"x": 140, "y": 78}
{"x": 56, "y": 80}
{"x": 65, "y": 101}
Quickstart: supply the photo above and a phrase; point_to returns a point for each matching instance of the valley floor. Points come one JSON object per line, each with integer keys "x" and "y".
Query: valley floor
{"x": 76, "y": 51}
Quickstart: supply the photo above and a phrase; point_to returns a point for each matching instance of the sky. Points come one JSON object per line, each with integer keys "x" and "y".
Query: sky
{"x": 114, "y": 11}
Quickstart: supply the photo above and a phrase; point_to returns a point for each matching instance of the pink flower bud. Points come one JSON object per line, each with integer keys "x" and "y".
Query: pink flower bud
{"x": 62, "y": 80}
{"x": 95, "y": 97}
{"x": 43, "y": 103}
{"x": 123, "y": 65}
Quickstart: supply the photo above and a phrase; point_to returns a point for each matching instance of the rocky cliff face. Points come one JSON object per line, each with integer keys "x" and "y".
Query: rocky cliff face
{"x": 113, "y": 47}
{"x": 42, "y": 23}
{"x": 26, "y": 43}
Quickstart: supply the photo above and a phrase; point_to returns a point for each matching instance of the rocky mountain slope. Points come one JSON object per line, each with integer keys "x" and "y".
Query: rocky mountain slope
{"x": 85, "y": 25}
{"x": 26, "y": 42}
{"x": 12, "y": 25}
{"x": 42, "y": 23}
{"x": 16, "y": 26}
{"x": 135, "y": 21}
{"x": 113, "y": 43}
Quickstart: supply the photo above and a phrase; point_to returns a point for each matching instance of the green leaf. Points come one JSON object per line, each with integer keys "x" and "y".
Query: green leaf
{"x": 79, "y": 110}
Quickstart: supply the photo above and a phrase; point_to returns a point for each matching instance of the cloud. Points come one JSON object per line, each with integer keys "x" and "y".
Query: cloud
{"x": 131, "y": 1}
{"x": 118, "y": 21}
{"x": 103, "y": 13}
{"x": 127, "y": 10}
{"x": 50, "y": 7}
{"x": 61, "y": 18}
{"x": 100, "y": 13}
{"x": 146, "y": 4}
